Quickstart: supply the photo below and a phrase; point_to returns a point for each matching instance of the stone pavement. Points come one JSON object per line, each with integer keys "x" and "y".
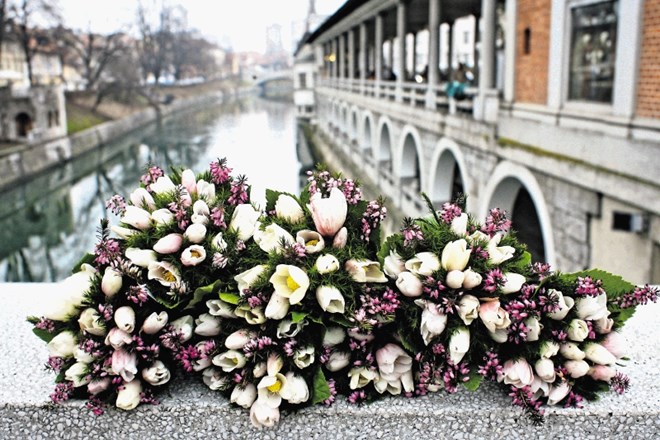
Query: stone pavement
{"x": 189, "y": 410}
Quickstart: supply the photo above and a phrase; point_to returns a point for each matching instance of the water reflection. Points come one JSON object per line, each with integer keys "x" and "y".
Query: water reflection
{"x": 47, "y": 224}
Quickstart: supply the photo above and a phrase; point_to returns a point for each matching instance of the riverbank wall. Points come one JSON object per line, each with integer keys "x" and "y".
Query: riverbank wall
{"x": 27, "y": 161}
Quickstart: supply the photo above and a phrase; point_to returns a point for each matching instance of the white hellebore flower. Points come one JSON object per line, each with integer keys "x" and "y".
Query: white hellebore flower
{"x": 393, "y": 265}
{"x": 141, "y": 257}
{"x": 311, "y": 240}
{"x": 304, "y": 357}
{"x": 326, "y": 263}
{"x": 129, "y": 396}
{"x": 157, "y": 374}
{"x": 246, "y": 279}
{"x": 207, "y": 325}
{"x": 513, "y": 282}
{"x": 184, "y": 325}
{"x": 155, "y": 323}
{"x": 409, "y": 284}
{"x": 433, "y": 320}
{"x": 455, "y": 255}
{"x": 290, "y": 282}
{"x": 329, "y": 214}
{"x": 62, "y": 345}
{"x": 195, "y": 233}
{"x": 251, "y": 315}
{"x": 365, "y": 271}
{"x": 287, "y": 208}
{"x": 163, "y": 272}
{"x": 193, "y": 255}
{"x": 230, "y": 360}
{"x": 273, "y": 238}
{"x": 564, "y": 304}
{"x": 137, "y": 217}
{"x": 468, "y": 308}
{"x": 162, "y": 185}
{"x": 69, "y": 294}
{"x": 499, "y": 254}
{"x": 125, "y": 319}
{"x": 592, "y": 308}
{"x": 244, "y": 396}
{"x": 111, "y": 282}
{"x": 244, "y": 221}
{"x": 78, "y": 374}
{"x": 459, "y": 344}
{"x": 330, "y": 299}
{"x": 423, "y": 263}
{"x": 90, "y": 322}
{"x": 360, "y": 377}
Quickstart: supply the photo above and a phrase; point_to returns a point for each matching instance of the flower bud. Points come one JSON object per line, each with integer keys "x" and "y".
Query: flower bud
{"x": 330, "y": 299}
{"x": 62, "y": 345}
{"x": 111, "y": 282}
{"x": 598, "y": 354}
{"x": 277, "y": 308}
{"x": 125, "y": 319}
{"x": 154, "y": 323}
{"x": 287, "y": 208}
{"x": 459, "y": 344}
{"x": 184, "y": 325}
{"x": 454, "y": 279}
{"x": 193, "y": 255}
{"x": 333, "y": 336}
{"x": 157, "y": 374}
{"x": 393, "y": 265}
{"x": 195, "y": 233}
{"x": 129, "y": 396}
{"x": 577, "y": 330}
{"x": 513, "y": 283}
{"x": 78, "y": 374}
{"x": 545, "y": 368}
{"x": 90, "y": 322}
{"x": 455, "y": 255}
{"x": 570, "y": 350}
{"x": 141, "y": 198}
{"x": 244, "y": 396}
{"x": 576, "y": 368}
{"x": 338, "y": 360}
{"x": 169, "y": 244}
{"x": 238, "y": 339}
{"x": 409, "y": 284}
{"x": 137, "y": 217}
{"x": 472, "y": 279}
{"x": 162, "y": 217}
{"x": 339, "y": 242}
{"x": 326, "y": 263}
{"x": 207, "y": 325}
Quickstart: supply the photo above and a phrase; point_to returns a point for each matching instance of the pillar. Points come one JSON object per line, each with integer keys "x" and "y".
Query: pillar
{"x": 342, "y": 56}
{"x": 379, "y": 51}
{"x": 362, "y": 61}
{"x": 487, "y": 61}
{"x": 510, "y": 50}
{"x": 401, "y": 13}
{"x": 434, "y": 52}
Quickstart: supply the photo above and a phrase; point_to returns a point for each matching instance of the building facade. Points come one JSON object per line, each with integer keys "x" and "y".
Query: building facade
{"x": 557, "y": 120}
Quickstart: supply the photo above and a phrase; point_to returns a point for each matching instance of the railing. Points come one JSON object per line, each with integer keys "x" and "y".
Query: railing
{"x": 420, "y": 95}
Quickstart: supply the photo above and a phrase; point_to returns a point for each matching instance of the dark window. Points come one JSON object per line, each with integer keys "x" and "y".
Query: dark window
{"x": 527, "y": 49}
{"x": 593, "y": 51}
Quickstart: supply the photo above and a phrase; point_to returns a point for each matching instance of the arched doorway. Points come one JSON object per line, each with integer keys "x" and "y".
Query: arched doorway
{"x": 448, "y": 182}
{"x": 525, "y": 221}
{"x": 410, "y": 164}
{"x": 385, "y": 149}
{"x": 23, "y": 124}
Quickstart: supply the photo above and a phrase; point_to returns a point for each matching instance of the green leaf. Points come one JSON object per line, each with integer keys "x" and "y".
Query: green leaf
{"x": 86, "y": 259}
{"x": 231, "y": 298}
{"x": 474, "y": 382}
{"x": 43, "y": 334}
{"x": 296, "y": 317}
{"x": 622, "y": 316}
{"x": 405, "y": 341}
{"x": 200, "y": 294}
{"x": 271, "y": 199}
{"x": 321, "y": 389}
{"x": 524, "y": 261}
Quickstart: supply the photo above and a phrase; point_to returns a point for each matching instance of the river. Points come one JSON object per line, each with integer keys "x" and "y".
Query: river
{"x": 48, "y": 223}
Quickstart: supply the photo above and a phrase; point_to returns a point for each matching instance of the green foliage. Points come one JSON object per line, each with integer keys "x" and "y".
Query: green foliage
{"x": 88, "y": 258}
{"x": 201, "y": 293}
{"x": 321, "y": 390}
{"x": 230, "y": 298}
{"x": 474, "y": 382}
{"x": 43, "y": 334}
{"x": 296, "y": 317}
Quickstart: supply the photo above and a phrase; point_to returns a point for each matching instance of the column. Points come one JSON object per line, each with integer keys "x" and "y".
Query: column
{"x": 487, "y": 61}
{"x": 351, "y": 54}
{"x": 450, "y": 51}
{"x": 335, "y": 62}
{"x": 363, "y": 61}
{"x": 510, "y": 50}
{"x": 414, "y": 55}
{"x": 379, "y": 52}
{"x": 342, "y": 56}
{"x": 434, "y": 52}
{"x": 401, "y": 12}
{"x": 476, "y": 56}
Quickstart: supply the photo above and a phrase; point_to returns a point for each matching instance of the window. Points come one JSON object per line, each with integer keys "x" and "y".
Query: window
{"x": 527, "y": 41}
{"x": 302, "y": 79}
{"x": 466, "y": 37}
{"x": 593, "y": 51}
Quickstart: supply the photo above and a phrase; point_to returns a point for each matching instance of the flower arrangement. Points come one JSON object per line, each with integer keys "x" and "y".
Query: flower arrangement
{"x": 302, "y": 302}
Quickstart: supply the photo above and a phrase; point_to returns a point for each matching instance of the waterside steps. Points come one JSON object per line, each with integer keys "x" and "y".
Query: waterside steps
{"x": 189, "y": 410}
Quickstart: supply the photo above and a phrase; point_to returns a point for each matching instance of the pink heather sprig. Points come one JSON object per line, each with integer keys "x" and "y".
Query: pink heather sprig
{"x": 479, "y": 253}
{"x": 373, "y": 216}
{"x": 357, "y": 397}
{"x": 238, "y": 191}
{"x": 493, "y": 280}
{"x": 106, "y": 311}
{"x": 258, "y": 344}
{"x": 351, "y": 191}
{"x": 586, "y": 286}
{"x": 180, "y": 214}
{"x": 218, "y": 217}
{"x": 333, "y": 393}
{"x": 449, "y": 212}
{"x": 425, "y": 377}
{"x": 54, "y": 364}
{"x": 96, "y": 405}
{"x": 524, "y": 397}
{"x": 138, "y": 294}
{"x": 573, "y": 400}
{"x": 220, "y": 171}
{"x": 62, "y": 392}
{"x": 207, "y": 349}
{"x": 323, "y": 181}
{"x": 496, "y": 221}
{"x": 107, "y": 251}
{"x": 453, "y": 375}
{"x": 147, "y": 397}
{"x": 152, "y": 174}
{"x": 412, "y": 233}
{"x": 548, "y": 301}
{"x": 432, "y": 287}
{"x": 385, "y": 305}
{"x": 290, "y": 347}
{"x": 219, "y": 261}
{"x": 116, "y": 204}
{"x": 187, "y": 356}
{"x": 492, "y": 369}
{"x": 559, "y": 335}
{"x": 147, "y": 352}
{"x": 94, "y": 348}
{"x": 45, "y": 324}
{"x": 639, "y": 296}
{"x": 240, "y": 246}
{"x": 620, "y": 383}
{"x": 542, "y": 270}
{"x": 171, "y": 338}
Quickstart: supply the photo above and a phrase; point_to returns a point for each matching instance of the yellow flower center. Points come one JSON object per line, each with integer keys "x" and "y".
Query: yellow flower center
{"x": 312, "y": 243}
{"x": 169, "y": 276}
{"x": 291, "y": 283}
{"x": 195, "y": 254}
{"x": 276, "y": 387}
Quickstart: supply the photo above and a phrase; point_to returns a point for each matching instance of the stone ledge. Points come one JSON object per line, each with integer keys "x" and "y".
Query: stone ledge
{"x": 190, "y": 410}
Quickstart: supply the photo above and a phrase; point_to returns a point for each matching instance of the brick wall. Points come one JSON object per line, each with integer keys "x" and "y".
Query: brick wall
{"x": 532, "y": 67}
{"x": 648, "y": 91}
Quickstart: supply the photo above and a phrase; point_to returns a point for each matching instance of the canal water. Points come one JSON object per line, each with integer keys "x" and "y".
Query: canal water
{"x": 48, "y": 223}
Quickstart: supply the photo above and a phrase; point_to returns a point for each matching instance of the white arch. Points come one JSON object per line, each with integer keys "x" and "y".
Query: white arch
{"x": 501, "y": 192}
{"x": 449, "y": 146}
{"x": 353, "y": 123}
{"x": 384, "y": 122}
{"x": 366, "y": 131}
{"x": 405, "y": 166}
{"x": 343, "y": 118}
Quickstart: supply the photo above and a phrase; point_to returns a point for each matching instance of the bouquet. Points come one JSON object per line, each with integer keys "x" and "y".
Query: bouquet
{"x": 116, "y": 328}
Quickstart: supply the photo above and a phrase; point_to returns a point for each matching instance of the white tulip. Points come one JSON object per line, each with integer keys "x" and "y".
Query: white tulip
{"x": 598, "y": 354}
{"x": 517, "y": 373}
{"x": 90, "y": 322}
{"x": 472, "y": 279}
{"x": 154, "y": 323}
{"x": 129, "y": 397}
{"x": 326, "y": 263}
{"x": 216, "y": 379}
{"x": 329, "y": 214}
{"x": 365, "y": 271}
{"x": 263, "y": 416}
{"x": 454, "y": 279}
{"x": 570, "y": 350}
{"x": 230, "y": 360}
{"x": 499, "y": 254}
{"x": 360, "y": 377}
{"x": 78, "y": 374}
{"x": 338, "y": 360}
{"x": 287, "y": 208}
{"x": 195, "y": 233}
{"x": 244, "y": 221}
{"x": 545, "y": 368}
{"x": 290, "y": 282}
{"x": 81, "y": 355}
{"x": 162, "y": 185}
{"x": 459, "y": 224}
{"x": 69, "y": 294}
{"x": 333, "y": 336}
{"x": 304, "y": 357}
{"x": 433, "y": 321}
{"x": 564, "y": 304}
{"x": 557, "y": 393}
{"x": 188, "y": 180}
{"x": 295, "y": 389}
{"x": 330, "y": 299}
{"x": 603, "y": 325}
{"x": 513, "y": 282}
{"x": 162, "y": 217}
{"x": 111, "y": 282}
{"x": 157, "y": 374}
{"x": 117, "y": 338}
{"x": 246, "y": 279}
{"x": 273, "y": 238}
{"x": 423, "y": 263}
{"x": 141, "y": 257}
{"x": 184, "y": 325}
{"x": 207, "y": 325}
{"x": 533, "y": 328}
{"x": 141, "y": 198}
{"x": 219, "y": 242}
{"x": 576, "y": 369}
{"x": 288, "y": 329}
{"x": 220, "y": 308}
{"x": 459, "y": 344}
{"x": 244, "y": 396}
{"x": 468, "y": 308}
{"x": 125, "y": 319}
{"x": 277, "y": 307}
{"x": 164, "y": 272}
{"x": 548, "y": 349}
{"x": 238, "y": 339}
{"x": 493, "y": 316}
{"x": 311, "y": 240}
{"x": 206, "y": 190}
{"x": 62, "y": 345}
{"x": 251, "y": 315}
{"x": 123, "y": 233}
{"x": 193, "y": 255}
{"x": 578, "y": 330}
{"x": 592, "y": 308}
{"x": 455, "y": 255}
{"x": 137, "y": 217}
{"x": 393, "y": 265}
{"x": 409, "y": 284}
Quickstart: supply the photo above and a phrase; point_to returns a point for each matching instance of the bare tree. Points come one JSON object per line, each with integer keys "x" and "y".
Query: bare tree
{"x": 154, "y": 44}
{"x": 191, "y": 55}
{"x": 94, "y": 53}
{"x": 3, "y": 23}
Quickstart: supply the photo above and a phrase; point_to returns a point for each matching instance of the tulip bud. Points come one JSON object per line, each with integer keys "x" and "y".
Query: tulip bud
{"x": 577, "y": 330}
{"x": 129, "y": 397}
{"x": 557, "y": 393}
{"x": 277, "y": 308}
{"x": 423, "y": 263}
{"x": 169, "y": 244}
{"x": 338, "y": 360}
{"x": 188, "y": 180}
{"x": 111, "y": 282}
{"x": 329, "y": 214}
{"x": 244, "y": 221}
{"x": 154, "y": 323}
{"x": 230, "y": 360}
{"x": 201, "y": 208}
{"x": 137, "y": 217}
{"x": 117, "y": 338}
{"x": 459, "y": 344}
{"x": 472, "y": 279}
{"x": 603, "y": 325}
{"x": 122, "y": 232}
{"x": 339, "y": 242}
{"x": 533, "y": 328}
{"x": 513, "y": 283}
{"x": 141, "y": 198}
{"x": 459, "y": 224}
{"x": 333, "y": 336}
{"x": 548, "y": 349}
{"x": 206, "y": 190}
{"x": 330, "y": 299}
{"x": 141, "y": 257}
{"x": 90, "y": 322}
{"x": 195, "y": 233}
{"x": 564, "y": 304}
{"x": 592, "y": 308}
{"x": 62, "y": 345}
{"x": 602, "y": 372}
{"x": 162, "y": 185}
{"x": 393, "y": 265}
{"x": 326, "y": 263}
{"x": 312, "y": 241}
{"x": 409, "y": 284}
{"x": 244, "y": 396}
{"x": 545, "y": 368}
{"x": 162, "y": 217}
{"x": 184, "y": 325}
{"x": 207, "y": 325}
{"x": 598, "y": 354}
{"x": 455, "y": 255}
{"x": 576, "y": 368}
{"x": 570, "y": 350}
{"x": 468, "y": 308}
{"x": 238, "y": 339}
{"x": 454, "y": 279}
{"x": 125, "y": 319}
{"x": 287, "y": 208}
{"x": 157, "y": 374}
{"x": 616, "y": 344}
{"x": 220, "y": 308}
{"x": 78, "y": 374}
{"x": 98, "y": 386}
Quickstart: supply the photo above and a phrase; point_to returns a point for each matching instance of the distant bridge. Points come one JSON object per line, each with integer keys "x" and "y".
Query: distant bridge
{"x": 276, "y": 83}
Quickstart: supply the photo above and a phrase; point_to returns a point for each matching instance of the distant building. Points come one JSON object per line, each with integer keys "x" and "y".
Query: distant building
{"x": 557, "y": 121}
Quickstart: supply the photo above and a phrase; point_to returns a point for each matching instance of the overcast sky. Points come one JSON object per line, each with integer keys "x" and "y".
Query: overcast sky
{"x": 239, "y": 22}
